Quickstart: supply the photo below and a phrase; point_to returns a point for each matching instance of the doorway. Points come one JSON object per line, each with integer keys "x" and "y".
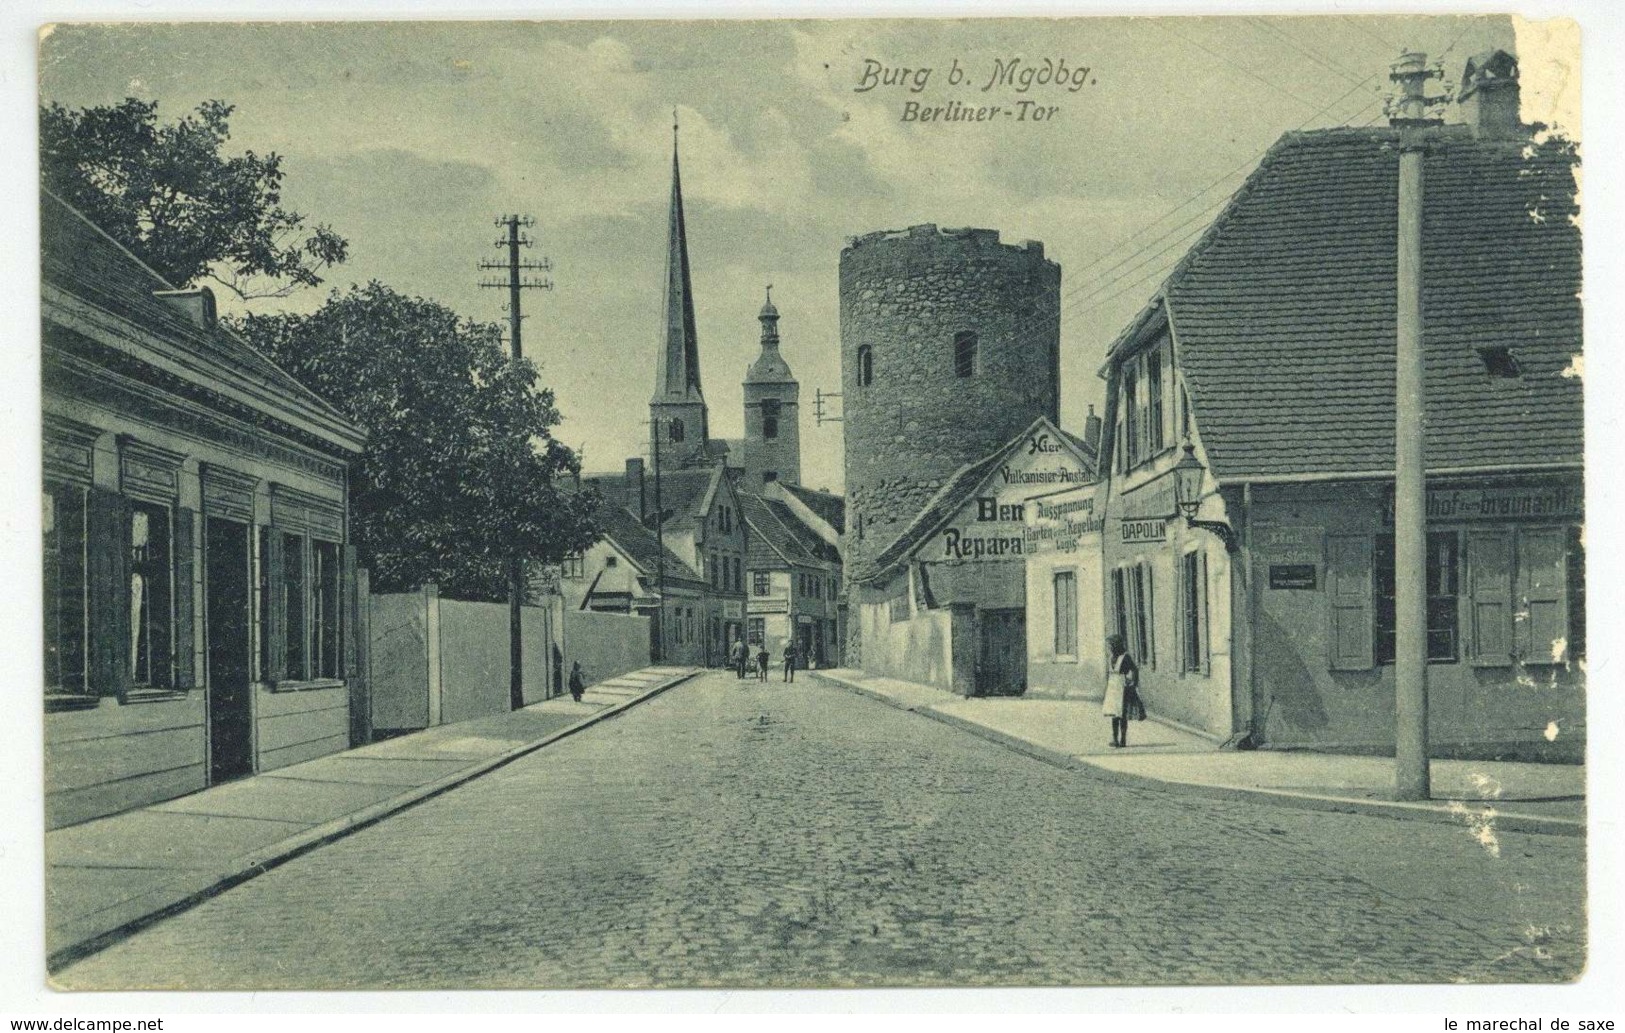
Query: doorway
{"x": 1002, "y": 666}
{"x": 225, "y": 605}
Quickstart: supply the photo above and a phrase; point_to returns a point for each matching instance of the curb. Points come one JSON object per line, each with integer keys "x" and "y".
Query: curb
{"x": 1472, "y": 814}
{"x": 194, "y": 889}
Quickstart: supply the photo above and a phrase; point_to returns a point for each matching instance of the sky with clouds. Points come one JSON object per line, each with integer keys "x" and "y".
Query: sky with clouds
{"x": 411, "y": 137}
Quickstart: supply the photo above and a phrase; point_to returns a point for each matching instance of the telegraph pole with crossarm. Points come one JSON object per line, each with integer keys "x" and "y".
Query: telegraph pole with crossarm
{"x": 516, "y": 282}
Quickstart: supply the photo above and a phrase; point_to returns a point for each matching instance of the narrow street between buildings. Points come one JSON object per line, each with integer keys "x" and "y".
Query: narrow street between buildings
{"x": 735, "y": 833}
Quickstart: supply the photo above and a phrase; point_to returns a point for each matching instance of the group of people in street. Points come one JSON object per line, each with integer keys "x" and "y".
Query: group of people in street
{"x": 742, "y": 659}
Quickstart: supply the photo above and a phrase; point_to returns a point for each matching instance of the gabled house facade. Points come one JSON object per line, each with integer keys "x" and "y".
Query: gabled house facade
{"x": 1267, "y": 357}
{"x": 794, "y": 575}
{"x": 698, "y": 516}
{"x": 945, "y": 603}
{"x": 627, "y": 571}
{"x": 201, "y": 592}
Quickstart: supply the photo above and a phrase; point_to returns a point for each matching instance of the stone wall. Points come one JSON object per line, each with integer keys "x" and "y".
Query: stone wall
{"x": 906, "y": 295}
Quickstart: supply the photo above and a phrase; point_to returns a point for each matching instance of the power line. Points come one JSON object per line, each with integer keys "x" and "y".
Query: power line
{"x": 1277, "y": 87}
{"x": 1324, "y": 62}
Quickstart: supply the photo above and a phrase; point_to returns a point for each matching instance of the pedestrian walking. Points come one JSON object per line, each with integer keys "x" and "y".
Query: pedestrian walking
{"x": 1122, "y": 703}
{"x": 741, "y": 656}
{"x": 761, "y": 663}
{"x": 790, "y": 661}
{"x": 578, "y": 684}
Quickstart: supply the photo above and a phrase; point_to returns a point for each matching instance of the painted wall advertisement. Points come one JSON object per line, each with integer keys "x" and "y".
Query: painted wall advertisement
{"x": 993, "y": 526}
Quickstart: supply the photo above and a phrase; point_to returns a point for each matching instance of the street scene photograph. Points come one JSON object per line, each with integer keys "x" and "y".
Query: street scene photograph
{"x": 811, "y": 504}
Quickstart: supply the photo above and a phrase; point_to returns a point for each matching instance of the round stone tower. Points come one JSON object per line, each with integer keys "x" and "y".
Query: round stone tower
{"x": 950, "y": 346}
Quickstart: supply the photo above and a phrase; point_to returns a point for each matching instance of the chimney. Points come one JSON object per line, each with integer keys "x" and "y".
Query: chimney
{"x": 634, "y": 487}
{"x": 1091, "y": 430}
{"x": 196, "y": 305}
{"x": 1489, "y": 95}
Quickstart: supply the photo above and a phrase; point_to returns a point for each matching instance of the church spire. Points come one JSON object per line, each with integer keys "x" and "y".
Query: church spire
{"x": 678, "y": 375}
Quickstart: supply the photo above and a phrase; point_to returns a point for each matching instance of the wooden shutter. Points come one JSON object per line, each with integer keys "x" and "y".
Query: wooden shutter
{"x": 1204, "y": 632}
{"x": 1541, "y": 596}
{"x": 185, "y": 630}
{"x": 1489, "y": 596}
{"x": 348, "y": 612}
{"x": 1348, "y": 592}
{"x": 108, "y": 577}
{"x": 276, "y": 610}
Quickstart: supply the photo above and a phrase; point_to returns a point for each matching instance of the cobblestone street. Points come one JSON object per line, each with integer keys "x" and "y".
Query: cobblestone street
{"x": 729, "y": 834}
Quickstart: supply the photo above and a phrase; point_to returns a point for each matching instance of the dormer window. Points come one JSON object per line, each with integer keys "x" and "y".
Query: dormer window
{"x": 1499, "y": 362}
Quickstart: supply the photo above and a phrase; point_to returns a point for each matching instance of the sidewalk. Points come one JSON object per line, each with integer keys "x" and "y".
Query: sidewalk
{"x": 1484, "y": 795}
{"x": 108, "y": 877}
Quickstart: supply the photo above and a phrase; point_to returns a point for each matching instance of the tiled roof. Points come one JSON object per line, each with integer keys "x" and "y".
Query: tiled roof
{"x": 81, "y": 260}
{"x": 950, "y": 499}
{"x": 683, "y": 493}
{"x": 1283, "y": 315}
{"x": 777, "y": 538}
{"x": 622, "y": 527}
{"x": 831, "y": 507}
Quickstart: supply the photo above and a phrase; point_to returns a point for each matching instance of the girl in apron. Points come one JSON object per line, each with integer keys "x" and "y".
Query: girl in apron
{"x": 1122, "y": 702}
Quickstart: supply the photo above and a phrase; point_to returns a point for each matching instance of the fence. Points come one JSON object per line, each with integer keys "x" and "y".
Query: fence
{"x": 436, "y": 661}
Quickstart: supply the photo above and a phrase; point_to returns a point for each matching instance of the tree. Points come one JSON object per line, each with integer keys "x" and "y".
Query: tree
{"x": 166, "y": 193}
{"x": 461, "y": 470}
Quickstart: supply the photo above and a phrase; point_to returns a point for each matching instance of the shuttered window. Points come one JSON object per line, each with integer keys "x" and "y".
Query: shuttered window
{"x": 1542, "y": 620}
{"x": 1066, "y": 613}
{"x": 151, "y": 575}
{"x": 1193, "y": 606}
{"x": 1489, "y": 593}
{"x": 1349, "y": 599}
{"x": 1443, "y": 590}
{"x": 65, "y": 597}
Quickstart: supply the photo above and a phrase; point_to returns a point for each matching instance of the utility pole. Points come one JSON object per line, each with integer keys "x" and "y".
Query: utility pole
{"x": 516, "y": 281}
{"x": 1411, "y": 768}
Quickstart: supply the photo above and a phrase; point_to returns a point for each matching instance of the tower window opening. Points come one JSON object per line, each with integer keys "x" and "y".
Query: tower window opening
{"x": 770, "y": 418}
{"x": 675, "y": 430}
{"x": 965, "y": 353}
{"x": 866, "y": 366}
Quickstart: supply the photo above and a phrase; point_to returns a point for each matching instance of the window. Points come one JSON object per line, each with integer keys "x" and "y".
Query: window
{"x": 866, "y": 366}
{"x": 299, "y": 590}
{"x": 755, "y": 629}
{"x": 761, "y": 582}
{"x": 293, "y": 605}
{"x": 674, "y": 430}
{"x": 899, "y": 610}
{"x": 768, "y": 476}
{"x": 1193, "y": 625}
{"x": 1153, "y": 403}
{"x": 1133, "y": 611}
{"x": 1443, "y": 569}
{"x": 711, "y": 572}
{"x": 1131, "y": 417}
{"x": 1500, "y": 362}
{"x": 1144, "y": 611}
{"x": 65, "y": 599}
{"x": 1066, "y": 613}
{"x": 324, "y": 617}
{"x": 770, "y": 418}
{"x": 611, "y": 562}
{"x": 965, "y": 353}
{"x": 149, "y": 595}
{"x": 573, "y": 567}
{"x": 1184, "y": 413}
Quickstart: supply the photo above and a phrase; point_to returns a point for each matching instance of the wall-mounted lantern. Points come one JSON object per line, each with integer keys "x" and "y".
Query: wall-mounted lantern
{"x": 1188, "y": 474}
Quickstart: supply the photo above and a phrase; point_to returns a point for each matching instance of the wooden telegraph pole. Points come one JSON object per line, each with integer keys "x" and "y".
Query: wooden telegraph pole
{"x": 516, "y": 282}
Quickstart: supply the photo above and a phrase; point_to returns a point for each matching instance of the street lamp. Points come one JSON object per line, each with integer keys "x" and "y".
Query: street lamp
{"x": 1188, "y": 474}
